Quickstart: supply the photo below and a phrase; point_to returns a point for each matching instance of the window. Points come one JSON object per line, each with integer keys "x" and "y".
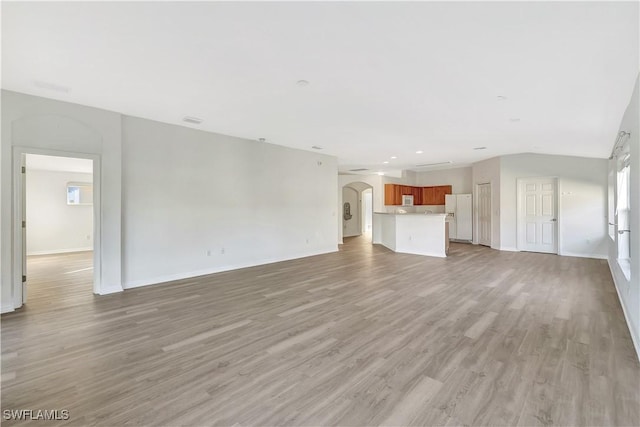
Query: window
{"x": 623, "y": 211}
{"x": 79, "y": 193}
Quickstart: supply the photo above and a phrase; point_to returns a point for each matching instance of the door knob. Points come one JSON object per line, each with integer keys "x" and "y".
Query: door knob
{"x": 554, "y": 220}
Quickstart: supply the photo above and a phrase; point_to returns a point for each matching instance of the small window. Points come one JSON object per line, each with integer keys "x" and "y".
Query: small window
{"x": 623, "y": 211}
{"x": 79, "y": 193}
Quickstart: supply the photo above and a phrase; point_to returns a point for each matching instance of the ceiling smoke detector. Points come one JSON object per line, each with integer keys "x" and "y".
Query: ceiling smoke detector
{"x": 302, "y": 83}
{"x": 262, "y": 139}
{"x": 480, "y": 148}
{"x": 190, "y": 119}
{"x": 315, "y": 147}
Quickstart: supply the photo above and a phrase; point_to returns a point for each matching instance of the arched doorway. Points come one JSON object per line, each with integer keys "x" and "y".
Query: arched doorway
{"x": 357, "y": 210}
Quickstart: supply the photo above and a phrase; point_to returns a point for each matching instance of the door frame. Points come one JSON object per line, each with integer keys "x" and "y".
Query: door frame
{"x": 16, "y": 220}
{"x": 520, "y": 211}
{"x": 476, "y": 215}
{"x": 358, "y": 207}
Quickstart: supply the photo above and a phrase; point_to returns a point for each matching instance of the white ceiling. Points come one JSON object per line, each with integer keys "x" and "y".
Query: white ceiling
{"x": 386, "y": 79}
{"x": 58, "y": 164}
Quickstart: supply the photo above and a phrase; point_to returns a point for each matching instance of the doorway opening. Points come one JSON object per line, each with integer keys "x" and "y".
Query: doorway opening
{"x": 357, "y": 211}
{"x": 58, "y": 224}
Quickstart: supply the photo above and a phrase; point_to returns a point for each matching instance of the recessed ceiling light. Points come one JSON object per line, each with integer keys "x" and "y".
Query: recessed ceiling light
{"x": 51, "y": 86}
{"x": 419, "y": 152}
{"x": 385, "y": 162}
{"x": 514, "y": 120}
{"x": 380, "y": 173}
{"x": 302, "y": 83}
{"x": 480, "y": 148}
{"x": 194, "y": 120}
{"x": 501, "y": 98}
{"x": 315, "y": 147}
{"x": 394, "y": 157}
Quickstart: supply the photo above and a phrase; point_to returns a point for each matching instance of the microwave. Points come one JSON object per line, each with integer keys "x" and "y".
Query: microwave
{"x": 407, "y": 200}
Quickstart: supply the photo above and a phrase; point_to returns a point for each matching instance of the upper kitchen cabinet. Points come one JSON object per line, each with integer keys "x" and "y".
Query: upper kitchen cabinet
{"x": 421, "y": 195}
{"x": 439, "y": 193}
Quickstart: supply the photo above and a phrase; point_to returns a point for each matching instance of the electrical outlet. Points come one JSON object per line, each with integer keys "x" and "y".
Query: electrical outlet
{"x": 222, "y": 251}
{"x": 208, "y": 252}
{"x": 307, "y": 240}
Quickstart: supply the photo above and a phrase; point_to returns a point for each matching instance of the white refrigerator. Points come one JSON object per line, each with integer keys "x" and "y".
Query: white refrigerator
{"x": 458, "y": 208}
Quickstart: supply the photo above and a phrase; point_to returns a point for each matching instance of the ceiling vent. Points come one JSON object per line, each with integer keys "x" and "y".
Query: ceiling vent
{"x": 433, "y": 164}
{"x": 358, "y": 170}
{"x": 194, "y": 120}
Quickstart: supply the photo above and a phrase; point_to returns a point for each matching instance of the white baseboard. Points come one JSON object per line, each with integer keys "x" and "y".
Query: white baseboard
{"x": 60, "y": 251}
{"x": 581, "y": 255}
{"x": 6, "y": 308}
{"x": 110, "y": 290}
{"x": 219, "y": 269}
{"x": 509, "y": 249}
{"x": 632, "y": 331}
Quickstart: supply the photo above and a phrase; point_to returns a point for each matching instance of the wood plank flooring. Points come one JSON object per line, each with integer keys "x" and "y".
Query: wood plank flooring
{"x": 359, "y": 337}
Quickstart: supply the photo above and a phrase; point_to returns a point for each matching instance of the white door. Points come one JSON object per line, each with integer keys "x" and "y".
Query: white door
{"x": 484, "y": 214}
{"x": 463, "y": 217}
{"x": 537, "y": 215}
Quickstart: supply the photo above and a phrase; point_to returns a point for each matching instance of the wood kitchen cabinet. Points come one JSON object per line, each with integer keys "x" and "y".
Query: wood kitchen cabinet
{"x": 421, "y": 195}
{"x": 439, "y": 193}
{"x": 428, "y": 195}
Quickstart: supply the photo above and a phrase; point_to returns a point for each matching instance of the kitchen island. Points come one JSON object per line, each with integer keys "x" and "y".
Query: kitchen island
{"x": 412, "y": 233}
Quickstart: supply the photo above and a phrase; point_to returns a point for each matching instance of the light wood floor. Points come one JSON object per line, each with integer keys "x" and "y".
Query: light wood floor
{"x": 359, "y": 337}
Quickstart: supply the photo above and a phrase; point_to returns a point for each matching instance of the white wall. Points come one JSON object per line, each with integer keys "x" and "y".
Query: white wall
{"x": 40, "y": 123}
{"x": 629, "y": 290}
{"x": 582, "y": 200}
{"x": 187, "y": 192}
{"x": 53, "y": 226}
{"x": 367, "y": 210}
{"x": 487, "y": 171}
{"x": 459, "y": 179}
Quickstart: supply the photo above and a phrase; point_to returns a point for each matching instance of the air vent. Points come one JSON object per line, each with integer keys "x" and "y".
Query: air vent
{"x": 194, "y": 120}
{"x": 358, "y": 170}
{"x": 433, "y": 164}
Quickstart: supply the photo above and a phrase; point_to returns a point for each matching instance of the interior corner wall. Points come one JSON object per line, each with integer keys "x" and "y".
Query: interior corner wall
{"x": 629, "y": 289}
{"x": 582, "y": 200}
{"x": 483, "y": 172}
{"x": 459, "y": 178}
{"x": 47, "y": 124}
{"x": 53, "y": 225}
{"x": 196, "y": 202}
